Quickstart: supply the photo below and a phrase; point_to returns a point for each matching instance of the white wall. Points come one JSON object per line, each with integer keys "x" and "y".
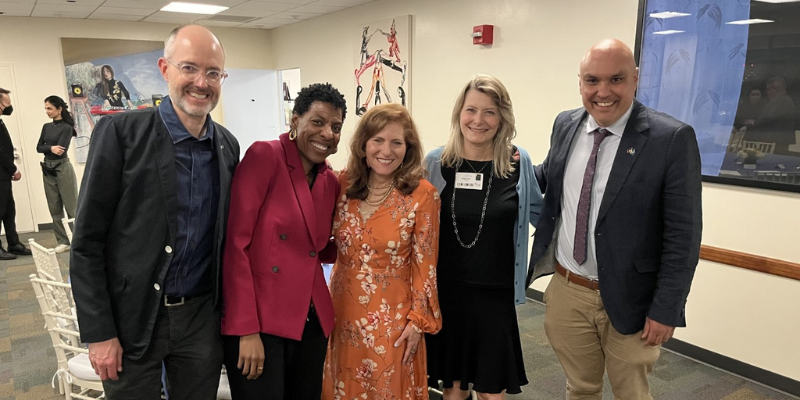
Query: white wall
{"x": 33, "y": 46}
{"x": 252, "y": 106}
{"x": 749, "y": 316}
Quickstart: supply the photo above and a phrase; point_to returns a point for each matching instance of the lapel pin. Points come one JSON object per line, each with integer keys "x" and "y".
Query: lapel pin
{"x": 631, "y": 151}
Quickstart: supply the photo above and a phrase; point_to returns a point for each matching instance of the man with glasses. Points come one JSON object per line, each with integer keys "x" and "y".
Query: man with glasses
{"x": 151, "y": 220}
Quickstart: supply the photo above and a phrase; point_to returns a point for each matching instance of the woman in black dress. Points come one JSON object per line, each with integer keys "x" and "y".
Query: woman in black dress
{"x": 489, "y": 198}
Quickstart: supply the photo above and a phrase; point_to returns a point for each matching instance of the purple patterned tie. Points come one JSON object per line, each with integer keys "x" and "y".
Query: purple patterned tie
{"x": 585, "y": 201}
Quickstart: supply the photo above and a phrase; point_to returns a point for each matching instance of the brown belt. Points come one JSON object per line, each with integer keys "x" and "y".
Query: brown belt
{"x": 577, "y": 279}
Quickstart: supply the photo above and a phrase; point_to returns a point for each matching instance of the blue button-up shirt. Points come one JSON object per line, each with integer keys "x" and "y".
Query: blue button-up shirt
{"x": 197, "y": 170}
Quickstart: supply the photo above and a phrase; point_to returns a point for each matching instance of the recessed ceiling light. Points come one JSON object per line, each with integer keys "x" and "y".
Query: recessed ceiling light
{"x": 750, "y": 21}
{"x": 778, "y": 1}
{"x": 193, "y": 8}
{"x": 667, "y": 32}
{"x": 669, "y": 14}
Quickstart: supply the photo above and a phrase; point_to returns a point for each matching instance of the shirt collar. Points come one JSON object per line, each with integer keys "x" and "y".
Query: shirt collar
{"x": 617, "y": 128}
{"x": 177, "y": 131}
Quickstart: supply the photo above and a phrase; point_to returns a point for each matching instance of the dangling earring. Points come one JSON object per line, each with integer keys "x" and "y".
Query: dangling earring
{"x": 292, "y": 134}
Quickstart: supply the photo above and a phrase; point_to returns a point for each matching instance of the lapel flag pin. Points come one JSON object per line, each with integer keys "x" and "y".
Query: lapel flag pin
{"x": 631, "y": 151}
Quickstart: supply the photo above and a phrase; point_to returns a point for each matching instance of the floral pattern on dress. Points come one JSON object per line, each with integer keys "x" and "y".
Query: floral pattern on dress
{"x": 383, "y": 279}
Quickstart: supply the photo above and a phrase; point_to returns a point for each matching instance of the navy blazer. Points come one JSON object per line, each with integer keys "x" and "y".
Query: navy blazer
{"x": 126, "y": 225}
{"x": 649, "y": 225}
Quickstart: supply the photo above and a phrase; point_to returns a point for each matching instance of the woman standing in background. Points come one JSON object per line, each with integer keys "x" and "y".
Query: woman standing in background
{"x": 60, "y": 186}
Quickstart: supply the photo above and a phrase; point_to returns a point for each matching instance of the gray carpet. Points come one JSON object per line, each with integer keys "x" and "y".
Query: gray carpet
{"x": 27, "y": 360}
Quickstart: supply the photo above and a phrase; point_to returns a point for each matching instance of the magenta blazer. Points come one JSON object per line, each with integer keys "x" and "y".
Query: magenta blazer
{"x": 278, "y": 230}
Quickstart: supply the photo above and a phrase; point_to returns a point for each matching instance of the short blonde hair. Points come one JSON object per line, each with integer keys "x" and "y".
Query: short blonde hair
{"x": 411, "y": 170}
{"x": 453, "y": 152}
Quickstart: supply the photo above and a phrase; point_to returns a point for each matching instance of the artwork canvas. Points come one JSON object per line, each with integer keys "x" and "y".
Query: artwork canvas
{"x": 383, "y": 61}
{"x": 107, "y": 77}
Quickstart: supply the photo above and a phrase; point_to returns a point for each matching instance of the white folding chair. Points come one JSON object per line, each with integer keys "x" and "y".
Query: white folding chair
{"x": 46, "y": 262}
{"x": 66, "y": 222}
{"x": 74, "y": 369}
{"x": 764, "y": 147}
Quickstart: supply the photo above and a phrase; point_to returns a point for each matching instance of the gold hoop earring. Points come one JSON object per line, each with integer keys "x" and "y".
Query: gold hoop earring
{"x": 292, "y": 134}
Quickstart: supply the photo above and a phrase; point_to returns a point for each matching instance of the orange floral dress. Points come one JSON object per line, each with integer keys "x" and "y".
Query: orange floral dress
{"x": 384, "y": 278}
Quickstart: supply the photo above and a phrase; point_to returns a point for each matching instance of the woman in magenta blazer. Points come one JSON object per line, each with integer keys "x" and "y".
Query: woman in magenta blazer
{"x": 277, "y": 309}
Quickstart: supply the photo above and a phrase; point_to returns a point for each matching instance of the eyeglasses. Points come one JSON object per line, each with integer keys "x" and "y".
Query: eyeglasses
{"x": 191, "y": 72}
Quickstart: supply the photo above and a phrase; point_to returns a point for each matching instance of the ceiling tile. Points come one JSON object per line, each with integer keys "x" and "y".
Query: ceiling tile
{"x": 219, "y": 23}
{"x": 63, "y": 8}
{"x": 297, "y": 16}
{"x": 257, "y": 9}
{"x": 171, "y": 17}
{"x": 295, "y": 2}
{"x": 116, "y": 17}
{"x": 143, "y": 5}
{"x": 123, "y": 11}
{"x": 311, "y": 8}
{"x": 341, "y": 3}
{"x": 16, "y": 7}
{"x": 31, "y": 2}
{"x": 52, "y": 14}
{"x": 77, "y": 3}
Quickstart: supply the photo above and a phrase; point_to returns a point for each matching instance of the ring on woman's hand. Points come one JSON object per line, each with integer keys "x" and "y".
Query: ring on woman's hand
{"x": 260, "y": 368}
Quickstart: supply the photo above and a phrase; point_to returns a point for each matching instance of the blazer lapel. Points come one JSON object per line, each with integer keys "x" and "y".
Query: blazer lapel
{"x": 164, "y": 150}
{"x": 300, "y": 184}
{"x": 570, "y": 132}
{"x": 630, "y": 147}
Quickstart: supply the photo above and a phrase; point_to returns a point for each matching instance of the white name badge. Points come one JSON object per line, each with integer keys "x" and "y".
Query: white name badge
{"x": 469, "y": 180}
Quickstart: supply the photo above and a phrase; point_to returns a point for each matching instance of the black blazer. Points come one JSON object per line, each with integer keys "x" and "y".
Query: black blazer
{"x": 7, "y": 167}
{"x": 649, "y": 225}
{"x": 126, "y": 224}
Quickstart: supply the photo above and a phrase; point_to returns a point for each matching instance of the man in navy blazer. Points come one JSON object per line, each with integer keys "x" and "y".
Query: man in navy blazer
{"x": 621, "y": 226}
{"x": 152, "y": 213}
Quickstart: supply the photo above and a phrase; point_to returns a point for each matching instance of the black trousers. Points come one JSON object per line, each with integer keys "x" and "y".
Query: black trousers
{"x": 186, "y": 338}
{"x": 8, "y": 213}
{"x": 292, "y": 369}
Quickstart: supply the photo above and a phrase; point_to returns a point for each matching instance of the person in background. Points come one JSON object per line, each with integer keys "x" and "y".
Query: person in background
{"x": 277, "y": 308}
{"x": 8, "y": 173}
{"x": 60, "y": 186}
{"x": 384, "y": 281}
{"x": 621, "y": 226}
{"x": 146, "y": 255}
{"x": 490, "y": 200}
{"x": 111, "y": 90}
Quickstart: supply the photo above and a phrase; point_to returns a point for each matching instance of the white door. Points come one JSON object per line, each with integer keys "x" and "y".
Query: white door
{"x": 251, "y": 106}
{"x": 21, "y": 190}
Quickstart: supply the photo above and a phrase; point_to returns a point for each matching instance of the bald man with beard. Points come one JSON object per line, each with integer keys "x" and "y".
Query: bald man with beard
{"x": 620, "y": 227}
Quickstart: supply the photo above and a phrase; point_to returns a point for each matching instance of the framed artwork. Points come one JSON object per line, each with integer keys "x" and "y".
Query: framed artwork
{"x": 106, "y": 76}
{"x": 383, "y": 50}
{"x": 731, "y": 69}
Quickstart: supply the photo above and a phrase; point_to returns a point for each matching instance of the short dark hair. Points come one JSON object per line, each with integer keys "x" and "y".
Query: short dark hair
{"x": 322, "y": 92}
{"x": 4, "y": 91}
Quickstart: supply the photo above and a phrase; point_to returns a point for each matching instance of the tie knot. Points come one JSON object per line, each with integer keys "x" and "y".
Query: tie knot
{"x": 602, "y": 132}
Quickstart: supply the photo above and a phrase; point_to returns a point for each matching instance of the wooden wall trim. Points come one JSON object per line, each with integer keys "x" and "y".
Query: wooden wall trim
{"x": 753, "y": 262}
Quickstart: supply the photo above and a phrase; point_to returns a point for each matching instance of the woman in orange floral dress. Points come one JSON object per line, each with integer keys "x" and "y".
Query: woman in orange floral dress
{"x": 384, "y": 282}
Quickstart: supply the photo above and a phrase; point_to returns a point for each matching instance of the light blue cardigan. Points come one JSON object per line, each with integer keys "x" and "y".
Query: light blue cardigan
{"x": 530, "y": 204}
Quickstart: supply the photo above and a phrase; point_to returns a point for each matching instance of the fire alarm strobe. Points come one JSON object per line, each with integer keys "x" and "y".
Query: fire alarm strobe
{"x": 483, "y": 34}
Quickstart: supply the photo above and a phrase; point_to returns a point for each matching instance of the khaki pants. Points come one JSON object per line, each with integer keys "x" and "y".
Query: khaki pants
{"x": 62, "y": 193}
{"x": 586, "y": 344}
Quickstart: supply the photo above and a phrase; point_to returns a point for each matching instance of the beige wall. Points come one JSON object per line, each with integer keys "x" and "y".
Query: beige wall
{"x": 748, "y": 316}
{"x": 33, "y": 46}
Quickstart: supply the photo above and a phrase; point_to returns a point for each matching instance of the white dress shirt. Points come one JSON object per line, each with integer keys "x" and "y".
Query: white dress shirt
{"x": 573, "y": 180}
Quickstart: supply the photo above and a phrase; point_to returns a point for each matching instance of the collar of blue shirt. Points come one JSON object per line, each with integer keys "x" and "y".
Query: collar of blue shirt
{"x": 177, "y": 131}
